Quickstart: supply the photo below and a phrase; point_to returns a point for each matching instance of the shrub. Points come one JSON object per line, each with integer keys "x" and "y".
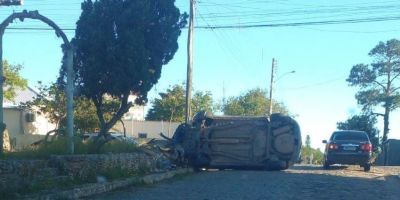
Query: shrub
{"x": 59, "y": 147}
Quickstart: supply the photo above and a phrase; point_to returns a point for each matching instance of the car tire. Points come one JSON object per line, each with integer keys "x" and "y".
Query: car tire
{"x": 326, "y": 165}
{"x": 367, "y": 167}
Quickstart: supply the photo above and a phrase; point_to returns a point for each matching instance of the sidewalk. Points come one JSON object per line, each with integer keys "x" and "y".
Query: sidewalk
{"x": 91, "y": 189}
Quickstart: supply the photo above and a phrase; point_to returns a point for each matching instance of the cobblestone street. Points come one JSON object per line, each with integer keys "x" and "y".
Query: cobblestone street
{"x": 299, "y": 182}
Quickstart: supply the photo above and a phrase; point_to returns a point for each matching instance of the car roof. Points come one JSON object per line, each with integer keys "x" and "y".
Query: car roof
{"x": 349, "y": 131}
{"x": 353, "y": 133}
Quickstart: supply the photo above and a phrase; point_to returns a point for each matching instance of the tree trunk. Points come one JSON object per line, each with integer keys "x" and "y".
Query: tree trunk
{"x": 170, "y": 120}
{"x": 385, "y": 133}
{"x": 106, "y": 126}
{"x": 123, "y": 126}
{"x": 385, "y": 124}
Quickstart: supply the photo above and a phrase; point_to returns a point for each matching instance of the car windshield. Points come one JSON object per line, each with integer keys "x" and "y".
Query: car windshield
{"x": 350, "y": 136}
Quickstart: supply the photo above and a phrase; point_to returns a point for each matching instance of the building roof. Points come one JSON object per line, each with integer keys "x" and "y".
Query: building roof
{"x": 22, "y": 96}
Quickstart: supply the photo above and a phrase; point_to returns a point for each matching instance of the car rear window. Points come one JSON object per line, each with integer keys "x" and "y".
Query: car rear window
{"x": 350, "y": 136}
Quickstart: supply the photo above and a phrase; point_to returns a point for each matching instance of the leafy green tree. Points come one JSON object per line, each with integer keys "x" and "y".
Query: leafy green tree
{"x": 171, "y": 104}
{"x": 379, "y": 82}
{"x": 202, "y": 101}
{"x": 85, "y": 117}
{"x": 120, "y": 49}
{"x": 51, "y": 102}
{"x": 310, "y": 155}
{"x": 308, "y": 141}
{"x": 364, "y": 122}
{"x": 308, "y": 152}
{"x": 13, "y": 80}
{"x": 253, "y": 103}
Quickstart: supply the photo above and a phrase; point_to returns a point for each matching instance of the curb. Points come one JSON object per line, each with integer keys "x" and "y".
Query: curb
{"x": 91, "y": 189}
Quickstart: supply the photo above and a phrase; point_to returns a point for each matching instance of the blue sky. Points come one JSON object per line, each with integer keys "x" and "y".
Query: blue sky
{"x": 239, "y": 59}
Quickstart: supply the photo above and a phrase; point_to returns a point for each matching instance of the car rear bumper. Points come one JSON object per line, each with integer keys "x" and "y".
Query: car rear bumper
{"x": 348, "y": 158}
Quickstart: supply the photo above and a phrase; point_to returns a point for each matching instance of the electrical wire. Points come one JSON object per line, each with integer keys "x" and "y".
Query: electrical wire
{"x": 241, "y": 14}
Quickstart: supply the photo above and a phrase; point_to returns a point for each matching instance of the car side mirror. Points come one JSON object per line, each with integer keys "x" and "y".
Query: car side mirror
{"x": 324, "y": 141}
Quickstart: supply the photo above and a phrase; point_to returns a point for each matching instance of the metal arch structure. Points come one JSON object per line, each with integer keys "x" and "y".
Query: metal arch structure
{"x": 67, "y": 62}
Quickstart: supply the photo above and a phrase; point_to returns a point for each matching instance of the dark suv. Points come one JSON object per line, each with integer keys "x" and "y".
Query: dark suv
{"x": 348, "y": 147}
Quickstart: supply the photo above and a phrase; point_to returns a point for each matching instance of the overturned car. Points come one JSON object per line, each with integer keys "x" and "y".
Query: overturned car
{"x": 230, "y": 142}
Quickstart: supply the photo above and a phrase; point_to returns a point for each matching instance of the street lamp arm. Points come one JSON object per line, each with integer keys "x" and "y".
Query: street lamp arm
{"x": 285, "y": 74}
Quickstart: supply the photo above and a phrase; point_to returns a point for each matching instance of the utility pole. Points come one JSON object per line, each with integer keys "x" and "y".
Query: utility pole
{"x": 271, "y": 86}
{"x": 223, "y": 94}
{"x": 190, "y": 62}
{"x": 11, "y": 2}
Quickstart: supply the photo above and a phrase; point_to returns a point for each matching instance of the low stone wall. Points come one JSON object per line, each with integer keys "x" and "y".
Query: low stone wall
{"x": 19, "y": 174}
{"x": 84, "y": 166}
{"x": 23, "y": 175}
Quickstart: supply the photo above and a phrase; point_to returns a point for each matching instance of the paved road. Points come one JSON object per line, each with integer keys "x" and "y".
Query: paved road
{"x": 300, "y": 182}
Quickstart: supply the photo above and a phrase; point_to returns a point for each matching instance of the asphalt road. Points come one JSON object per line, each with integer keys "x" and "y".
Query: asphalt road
{"x": 299, "y": 182}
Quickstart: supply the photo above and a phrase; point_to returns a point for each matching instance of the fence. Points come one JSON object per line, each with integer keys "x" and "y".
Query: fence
{"x": 149, "y": 129}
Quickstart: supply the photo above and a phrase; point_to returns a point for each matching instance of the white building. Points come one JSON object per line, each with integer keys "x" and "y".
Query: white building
{"x": 24, "y": 126}
{"x": 136, "y": 112}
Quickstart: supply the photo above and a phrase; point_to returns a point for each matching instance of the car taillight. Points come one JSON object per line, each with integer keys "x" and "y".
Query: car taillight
{"x": 333, "y": 146}
{"x": 366, "y": 147}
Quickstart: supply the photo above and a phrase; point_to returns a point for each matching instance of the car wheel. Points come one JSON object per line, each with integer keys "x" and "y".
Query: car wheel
{"x": 367, "y": 167}
{"x": 326, "y": 165}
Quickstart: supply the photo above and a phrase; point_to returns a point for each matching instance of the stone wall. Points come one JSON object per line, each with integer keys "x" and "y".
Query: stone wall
{"x": 83, "y": 166}
{"x": 18, "y": 176}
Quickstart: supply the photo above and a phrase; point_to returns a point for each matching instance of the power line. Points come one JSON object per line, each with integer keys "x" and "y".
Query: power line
{"x": 38, "y": 29}
{"x": 226, "y": 48}
{"x": 327, "y": 22}
{"x": 260, "y": 25}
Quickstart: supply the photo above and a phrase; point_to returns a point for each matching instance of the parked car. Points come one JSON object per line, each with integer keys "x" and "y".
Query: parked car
{"x": 348, "y": 147}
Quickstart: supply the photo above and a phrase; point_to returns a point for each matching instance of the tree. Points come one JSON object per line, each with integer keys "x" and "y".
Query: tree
{"x": 310, "y": 155}
{"x": 253, "y": 103}
{"x": 171, "y": 104}
{"x": 379, "y": 82}
{"x": 51, "y": 102}
{"x": 308, "y": 141}
{"x": 120, "y": 49}
{"x": 13, "y": 80}
{"x": 364, "y": 122}
{"x": 10, "y": 2}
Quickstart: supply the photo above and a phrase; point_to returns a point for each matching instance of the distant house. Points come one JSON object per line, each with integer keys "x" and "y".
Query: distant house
{"x": 24, "y": 126}
{"x": 136, "y": 112}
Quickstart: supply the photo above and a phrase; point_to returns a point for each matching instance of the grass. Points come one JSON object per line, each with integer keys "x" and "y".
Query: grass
{"x": 116, "y": 146}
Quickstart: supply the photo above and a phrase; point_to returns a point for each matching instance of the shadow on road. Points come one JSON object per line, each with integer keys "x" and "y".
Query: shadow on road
{"x": 318, "y": 167}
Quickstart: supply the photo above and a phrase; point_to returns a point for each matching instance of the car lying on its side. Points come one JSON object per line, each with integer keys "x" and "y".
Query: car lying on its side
{"x": 348, "y": 147}
{"x": 237, "y": 142}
